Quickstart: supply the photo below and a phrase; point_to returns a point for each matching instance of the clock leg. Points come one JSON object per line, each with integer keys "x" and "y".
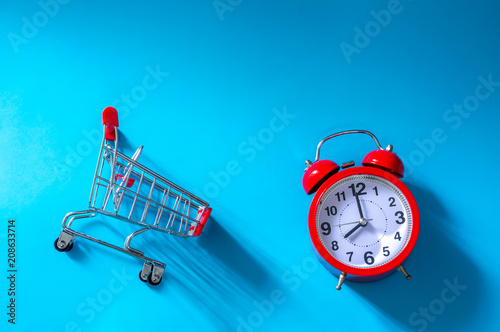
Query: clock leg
{"x": 341, "y": 280}
{"x": 403, "y": 271}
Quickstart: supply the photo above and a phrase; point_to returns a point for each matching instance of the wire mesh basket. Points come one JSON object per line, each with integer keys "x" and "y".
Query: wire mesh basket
{"x": 126, "y": 190}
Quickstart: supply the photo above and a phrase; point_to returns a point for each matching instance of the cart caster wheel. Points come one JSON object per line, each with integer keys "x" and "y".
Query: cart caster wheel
{"x": 153, "y": 283}
{"x": 68, "y": 248}
{"x": 140, "y": 277}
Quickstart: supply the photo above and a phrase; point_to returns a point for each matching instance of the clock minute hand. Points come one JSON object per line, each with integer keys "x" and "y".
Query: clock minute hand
{"x": 359, "y": 206}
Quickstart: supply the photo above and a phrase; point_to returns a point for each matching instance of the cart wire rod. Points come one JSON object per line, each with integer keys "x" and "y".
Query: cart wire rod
{"x": 129, "y": 238}
{"x": 174, "y": 209}
{"x": 188, "y": 203}
{"x": 127, "y": 170}
{"x": 154, "y": 205}
{"x": 114, "y": 159}
{"x": 113, "y": 166}
{"x": 172, "y": 215}
{"x": 135, "y": 196}
{"x": 159, "y": 186}
{"x": 154, "y": 174}
{"x": 98, "y": 183}
{"x": 97, "y": 167}
{"x": 135, "y": 222}
{"x": 92, "y": 214}
{"x": 145, "y": 213}
{"x": 146, "y": 180}
{"x": 75, "y": 233}
{"x": 163, "y": 201}
{"x": 101, "y": 168}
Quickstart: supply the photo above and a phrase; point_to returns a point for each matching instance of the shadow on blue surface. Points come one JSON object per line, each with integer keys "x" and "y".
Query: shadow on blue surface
{"x": 216, "y": 271}
{"x": 444, "y": 290}
{"x": 223, "y": 246}
{"x": 219, "y": 274}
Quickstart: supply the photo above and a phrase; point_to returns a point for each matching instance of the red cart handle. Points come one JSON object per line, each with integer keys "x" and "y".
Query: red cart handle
{"x": 110, "y": 120}
{"x": 110, "y": 116}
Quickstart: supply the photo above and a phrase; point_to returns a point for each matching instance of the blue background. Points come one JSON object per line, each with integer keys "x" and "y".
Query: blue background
{"x": 224, "y": 70}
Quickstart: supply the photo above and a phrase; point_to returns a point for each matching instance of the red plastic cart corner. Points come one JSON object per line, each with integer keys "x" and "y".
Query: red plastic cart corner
{"x": 203, "y": 221}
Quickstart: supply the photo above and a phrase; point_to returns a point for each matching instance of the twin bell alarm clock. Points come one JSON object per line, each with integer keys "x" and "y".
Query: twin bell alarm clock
{"x": 363, "y": 221}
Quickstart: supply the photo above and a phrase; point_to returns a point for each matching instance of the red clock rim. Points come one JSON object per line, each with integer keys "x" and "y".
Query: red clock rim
{"x": 389, "y": 266}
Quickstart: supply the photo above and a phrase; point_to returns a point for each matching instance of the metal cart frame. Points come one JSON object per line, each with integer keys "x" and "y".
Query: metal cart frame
{"x": 139, "y": 196}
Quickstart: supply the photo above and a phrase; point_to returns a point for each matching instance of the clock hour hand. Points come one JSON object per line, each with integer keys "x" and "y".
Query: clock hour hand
{"x": 362, "y": 223}
{"x": 352, "y": 231}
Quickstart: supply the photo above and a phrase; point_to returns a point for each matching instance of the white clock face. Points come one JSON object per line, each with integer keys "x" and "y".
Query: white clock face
{"x": 363, "y": 221}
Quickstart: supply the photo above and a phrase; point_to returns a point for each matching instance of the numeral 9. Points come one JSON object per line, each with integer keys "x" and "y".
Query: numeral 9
{"x": 326, "y": 228}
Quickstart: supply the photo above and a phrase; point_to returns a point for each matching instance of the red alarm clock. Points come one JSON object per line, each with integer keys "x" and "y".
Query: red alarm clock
{"x": 363, "y": 221}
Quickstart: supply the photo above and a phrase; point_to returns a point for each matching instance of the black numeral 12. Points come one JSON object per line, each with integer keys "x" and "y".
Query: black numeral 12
{"x": 361, "y": 186}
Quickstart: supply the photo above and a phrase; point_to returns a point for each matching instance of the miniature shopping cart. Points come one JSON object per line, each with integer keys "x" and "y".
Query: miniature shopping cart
{"x": 128, "y": 191}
